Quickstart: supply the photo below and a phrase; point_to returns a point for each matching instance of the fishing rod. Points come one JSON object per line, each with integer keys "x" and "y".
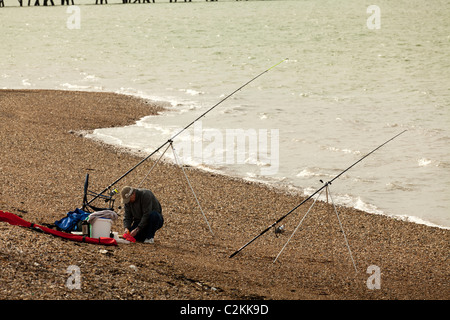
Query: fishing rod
{"x": 182, "y": 130}
{"x": 312, "y": 195}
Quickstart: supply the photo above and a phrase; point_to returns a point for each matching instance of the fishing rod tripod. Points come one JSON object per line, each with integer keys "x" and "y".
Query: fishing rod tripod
{"x": 326, "y": 185}
{"x": 328, "y": 192}
{"x": 178, "y": 162}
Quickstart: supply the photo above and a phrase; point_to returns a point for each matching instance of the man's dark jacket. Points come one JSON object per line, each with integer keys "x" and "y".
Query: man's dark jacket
{"x": 139, "y": 211}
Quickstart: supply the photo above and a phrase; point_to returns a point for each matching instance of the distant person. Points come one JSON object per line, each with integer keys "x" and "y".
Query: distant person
{"x": 143, "y": 214}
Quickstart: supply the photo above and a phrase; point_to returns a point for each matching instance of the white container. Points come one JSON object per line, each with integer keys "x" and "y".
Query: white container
{"x": 101, "y": 228}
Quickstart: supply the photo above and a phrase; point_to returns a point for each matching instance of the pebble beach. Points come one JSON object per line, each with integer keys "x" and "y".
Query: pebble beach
{"x": 45, "y": 158}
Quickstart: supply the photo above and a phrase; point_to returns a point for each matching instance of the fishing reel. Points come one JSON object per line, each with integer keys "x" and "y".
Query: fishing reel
{"x": 112, "y": 193}
{"x": 279, "y": 230}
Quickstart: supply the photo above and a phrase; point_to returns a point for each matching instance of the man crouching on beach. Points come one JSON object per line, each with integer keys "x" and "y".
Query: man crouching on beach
{"x": 143, "y": 214}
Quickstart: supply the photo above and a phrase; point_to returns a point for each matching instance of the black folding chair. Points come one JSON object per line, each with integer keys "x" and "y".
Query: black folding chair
{"x": 87, "y": 207}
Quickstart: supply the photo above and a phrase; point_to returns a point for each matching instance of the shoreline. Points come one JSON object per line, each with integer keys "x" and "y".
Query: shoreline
{"x": 44, "y": 161}
{"x": 289, "y": 189}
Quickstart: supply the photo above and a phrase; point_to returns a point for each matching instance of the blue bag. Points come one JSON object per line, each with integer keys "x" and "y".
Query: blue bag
{"x": 69, "y": 223}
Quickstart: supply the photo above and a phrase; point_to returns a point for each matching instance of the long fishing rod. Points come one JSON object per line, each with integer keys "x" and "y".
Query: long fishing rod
{"x": 312, "y": 195}
{"x": 182, "y": 130}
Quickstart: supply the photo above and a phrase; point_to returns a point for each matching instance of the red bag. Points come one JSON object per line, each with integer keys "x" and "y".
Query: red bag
{"x": 129, "y": 237}
{"x": 12, "y": 219}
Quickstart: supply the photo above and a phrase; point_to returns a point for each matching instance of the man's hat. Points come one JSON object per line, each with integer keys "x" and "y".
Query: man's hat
{"x": 126, "y": 194}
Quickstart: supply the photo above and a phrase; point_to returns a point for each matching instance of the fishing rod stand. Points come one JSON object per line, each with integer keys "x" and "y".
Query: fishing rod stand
{"x": 325, "y": 187}
{"x": 178, "y": 162}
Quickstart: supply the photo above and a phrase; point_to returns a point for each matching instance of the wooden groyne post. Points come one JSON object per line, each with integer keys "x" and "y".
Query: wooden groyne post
{"x": 70, "y": 2}
{"x": 139, "y": 1}
{"x": 45, "y": 3}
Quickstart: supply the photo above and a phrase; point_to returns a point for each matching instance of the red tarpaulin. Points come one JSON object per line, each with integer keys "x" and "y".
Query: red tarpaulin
{"x": 17, "y": 221}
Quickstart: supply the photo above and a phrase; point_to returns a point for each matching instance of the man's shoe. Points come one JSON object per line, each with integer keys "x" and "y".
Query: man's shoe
{"x": 151, "y": 240}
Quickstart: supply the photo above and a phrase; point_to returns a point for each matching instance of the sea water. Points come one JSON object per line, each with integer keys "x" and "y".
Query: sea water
{"x": 356, "y": 75}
